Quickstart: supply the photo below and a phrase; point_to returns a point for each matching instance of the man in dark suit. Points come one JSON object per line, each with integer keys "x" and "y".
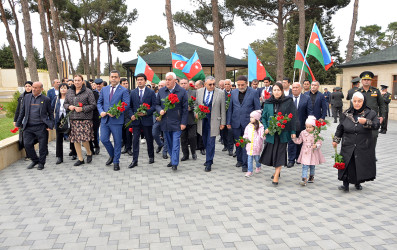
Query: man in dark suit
{"x": 319, "y": 104}
{"x": 108, "y": 97}
{"x": 327, "y": 96}
{"x": 189, "y": 134}
{"x": 304, "y": 109}
{"x": 174, "y": 120}
{"x": 54, "y": 92}
{"x": 142, "y": 121}
{"x": 127, "y": 135}
{"x": 243, "y": 101}
{"x": 228, "y": 142}
{"x": 287, "y": 86}
{"x": 36, "y": 118}
{"x": 337, "y": 98}
{"x": 267, "y": 87}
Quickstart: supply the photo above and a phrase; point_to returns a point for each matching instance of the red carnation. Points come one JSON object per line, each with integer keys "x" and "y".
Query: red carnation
{"x": 229, "y": 95}
{"x": 342, "y": 165}
{"x": 14, "y": 130}
{"x": 290, "y": 116}
{"x": 278, "y": 118}
{"x": 119, "y": 108}
{"x": 282, "y": 126}
{"x": 279, "y": 113}
{"x": 279, "y": 124}
{"x": 324, "y": 123}
{"x": 237, "y": 144}
{"x": 241, "y": 140}
{"x": 123, "y": 104}
{"x": 80, "y": 104}
{"x": 285, "y": 121}
{"x": 130, "y": 129}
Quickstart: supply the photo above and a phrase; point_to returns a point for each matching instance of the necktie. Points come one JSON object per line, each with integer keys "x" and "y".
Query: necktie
{"x": 140, "y": 95}
{"x": 207, "y": 99}
{"x": 296, "y": 101}
{"x": 111, "y": 94}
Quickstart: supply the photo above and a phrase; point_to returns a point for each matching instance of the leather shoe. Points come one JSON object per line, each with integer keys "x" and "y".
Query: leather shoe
{"x": 174, "y": 167}
{"x": 133, "y": 164}
{"x": 230, "y": 153}
{"x": 125, "y": 150}
{"x": 185, "y": 158}
{"x": 32, "y": 165}
{"x": 207, "y": 168}
{"x": 74, "y": 157}
{"x": 40, "y": 166}
{"x": 158, "y": 150}
{"x": 343, "y": 188}
{"x": 238, "y": 164}
{"x": 244, "y": 169}
{"x": 151, "y": 160}
{"x": 89, "y": 158}
{"x": 290, "y": 164}
{"x": 110, "y": 161}
{"x": 202, "y": 151}
{"x": 194, "y": 156}
{"x": 129, "y": 152}
{"x": 97, "y": 150}
{"x": 59, "y": 160}
{"x": 78, "y": 163}
{"x": 70, "y": 153}
{"x": 279, "y": 175}
{"x": 358, "y": 187}
{"x": 165, "y": 156}
{"x": 234, "y": 154}
{"x": 169, "y": 165}
{"x": 116, "y": 167}
{"x": 224, "y": 149}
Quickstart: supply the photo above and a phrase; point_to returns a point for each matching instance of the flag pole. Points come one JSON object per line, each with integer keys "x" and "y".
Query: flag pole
{"x": 296, "y": 50}
{"x": 303, "y": 65}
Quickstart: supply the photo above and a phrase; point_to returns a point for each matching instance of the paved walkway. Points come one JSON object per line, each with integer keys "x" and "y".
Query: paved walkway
{"x": 151, "y": 207}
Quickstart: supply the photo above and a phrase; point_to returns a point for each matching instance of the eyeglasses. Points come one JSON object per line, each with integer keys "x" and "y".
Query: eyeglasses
{"x": 211, "y": 84}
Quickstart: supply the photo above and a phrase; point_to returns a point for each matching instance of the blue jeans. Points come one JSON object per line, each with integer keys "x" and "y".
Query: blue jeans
{"x": 173, "y": 141}
{"x": 305, "y": 168}
{"x": 156, "y": 130}
{"x": 250, "y": 162}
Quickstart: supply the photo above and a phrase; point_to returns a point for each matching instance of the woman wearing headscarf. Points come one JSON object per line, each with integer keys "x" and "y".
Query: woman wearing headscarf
{"x": 358, "y": 151}
{"x": 275, "y": 151}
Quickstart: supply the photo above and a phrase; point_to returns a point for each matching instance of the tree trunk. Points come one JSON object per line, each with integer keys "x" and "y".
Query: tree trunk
{"x": 81, "y": 49}
{"x": 56, "y": 39}
{"x": 98, "y": 51}
{"x": 69, "y": 55}
{"x": 280, "y": 41}
{"x": 220, "y": 67}
{"x": 350, "y": 44}
{"x": 52, "y": 51}
{"x": 20, "y": 53}
{"x": 302, "y": 22}
{"x": 52, "y": 68}
{"x": 87, "y": 51}
{"x": 110, "y": 57}
{"x": 92, "y": 54}
{"x": 34, "y": 75}
{"x": 170, "y": 26}
{"x": 20, "y": 71}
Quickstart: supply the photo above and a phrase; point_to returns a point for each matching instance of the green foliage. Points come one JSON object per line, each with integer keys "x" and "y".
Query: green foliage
{"x": 391, "y": 34}
{"x": 153, "y": 43}
{"x": 80, "y": 67}
{"x": 277, "y": 124}
{"x": 12, "y": 106}
{"x": 40, "y": 61}
{"x": 369, "y": 39}
{"x": 6, "y": 59}
{"x": 241, "y": 142}
{"x": 6, "y": 124}
{"x": 118, "y": 65}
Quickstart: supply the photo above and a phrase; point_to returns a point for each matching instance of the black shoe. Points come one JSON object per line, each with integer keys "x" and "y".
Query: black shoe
{"x": 70, "y": 153}
{"x": 124, "y": 151}
{"x": 207, "y": 168}
{"x": 40, "y": 166}
{"x": 238, "y": 164}
{"x": 133, "y": 164}
{"x": 298, "y": 163}
{"x": 185, "y": 158}
{"x": 169, "y": 165}
{"x": 158, "y": 150}
{"x": 151, "y": 160}
{"x": 78, "y": 163}
{"x": 74, "y": 157}
{"x": 89, "y": 158}
{"x": 174, "y": 167}
{"x": 224, "y": 149}
{"x": 244, "y": 169}
{"x": 32, "y": 165}
{"x": 382, "y": 132}
{"x": 335, "y": 122}
{"x": 116, "y": 167}
{"x": 165, "y": 156}
{"x": 290, "y": 164}
{"x": 202, "y": 151}
{"x": 97, "y": 150}
{"x": 358, "y": 187}
{"x": 279, "y": 175}
{"x": 110, "y": 161}
{"x": 194, "y": 156}
{"x": 129, "y": 152}
{"x": 59, "y": 160}
{"x": 230, "y": 153}
{"x": 234, "y": 154}
{"x": 274, "y": 183}
{"x": 343, "y": 188}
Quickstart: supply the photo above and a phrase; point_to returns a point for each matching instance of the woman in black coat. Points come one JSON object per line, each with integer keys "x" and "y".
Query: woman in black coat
{"x": 28, "y": 90}
{"x": 358, "y": 150}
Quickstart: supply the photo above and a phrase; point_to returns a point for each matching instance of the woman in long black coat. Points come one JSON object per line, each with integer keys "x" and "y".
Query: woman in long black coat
{"x": 358, "y": 150}
{"x": 28, "y": 90}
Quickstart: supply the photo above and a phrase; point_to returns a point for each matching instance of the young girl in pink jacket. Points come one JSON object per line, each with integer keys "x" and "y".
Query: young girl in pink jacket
{"x": 254, "y": 132}
{"x": 310, "y": 154}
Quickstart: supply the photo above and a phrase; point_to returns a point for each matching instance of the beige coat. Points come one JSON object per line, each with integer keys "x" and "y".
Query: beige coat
{"x": 218, "y": 112}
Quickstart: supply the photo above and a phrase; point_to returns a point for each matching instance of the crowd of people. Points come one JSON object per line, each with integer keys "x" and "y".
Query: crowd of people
{"x": 271, "y": 125}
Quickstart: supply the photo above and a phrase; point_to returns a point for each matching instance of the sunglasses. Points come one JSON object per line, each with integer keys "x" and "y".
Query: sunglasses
{"x": 211, "y": 84}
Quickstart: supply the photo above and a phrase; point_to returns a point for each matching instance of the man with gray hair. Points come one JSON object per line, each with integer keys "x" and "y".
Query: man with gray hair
{"x": 173, "y": 120}
{"x": 54, "y": 91}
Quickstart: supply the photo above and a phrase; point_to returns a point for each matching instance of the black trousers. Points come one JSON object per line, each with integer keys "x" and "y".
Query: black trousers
{"x": 147, "y": 131}
{"x": 59, "y": 143}
{"x": 189, "y": 137}
{"x": 40, "y": 133}
{"x": 336, "y": 112}
{"x": 228, "y": 141}
{"x": 383, "y": 126}
{"x": 200, "y": 144}
{"x": 96, "y": 124}
{"x": 127, "y": 138}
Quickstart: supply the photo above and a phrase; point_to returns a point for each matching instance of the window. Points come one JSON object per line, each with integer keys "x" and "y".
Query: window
{"x": 394, "y": 88}
{"x": 374, "y": 82}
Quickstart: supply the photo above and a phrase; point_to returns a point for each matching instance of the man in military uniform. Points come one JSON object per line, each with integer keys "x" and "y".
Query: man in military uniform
{"x": 355, "y": 82}
{"x": 374, "y": 99}
{"x": 337, "y": 98}
{"x": 387, "y": 99}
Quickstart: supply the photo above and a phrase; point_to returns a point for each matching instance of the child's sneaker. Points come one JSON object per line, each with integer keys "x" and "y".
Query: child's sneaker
{"x": 303, "y": 182}
{"x": 248, "y": 174}
{"x": 257, "y": 170}
{"x": 311, "y": 179}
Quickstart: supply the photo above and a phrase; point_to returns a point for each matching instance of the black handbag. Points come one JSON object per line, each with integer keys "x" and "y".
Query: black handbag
{"x": 64, "y": 126}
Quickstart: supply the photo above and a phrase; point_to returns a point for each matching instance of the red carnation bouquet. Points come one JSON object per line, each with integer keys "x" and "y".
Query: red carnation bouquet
{"x": 339, "y": 164}
{"x": 266, "y": 95}
{"x": 116, "y": 110}
{"x": 191, "y": 86}
{"x": 201, "y": 112}
{"x": 317, "y": 130}
{"x": 228, "y": 101}
{"x": 191, "y": 101}
{"x": 169, "y": 102}
{"x": 142, "y": 109}
{"x": 277, "y": 124}
{"x": 241, "y": 142}
{"x": 66, "y": 118}
{"x": 14, "y": 130}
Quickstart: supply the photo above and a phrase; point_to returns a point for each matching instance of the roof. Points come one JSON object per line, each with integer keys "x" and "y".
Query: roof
{"x": 161, "y": 61}
{"x": 386, "y": 56}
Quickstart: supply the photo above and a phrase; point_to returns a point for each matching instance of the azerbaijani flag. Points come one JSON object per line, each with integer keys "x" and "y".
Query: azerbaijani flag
{"x": 178, "y": 63}
{"x": 256, "y": 70}
{"x": 299, "y": 60}
{"x": 318, "y": 48}
{"x": 143, "y": 67}
{"x": 193, "y": 69}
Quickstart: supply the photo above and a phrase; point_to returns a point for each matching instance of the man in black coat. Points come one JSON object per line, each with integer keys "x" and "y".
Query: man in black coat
{"x": 188, "y": 136}
{"x": 387, "y": 98}
{"x": 36, "y": 118}
{"x": 228, "y": 141}
{"x": 337, "y": 98}
{"x": 355, "y": 84}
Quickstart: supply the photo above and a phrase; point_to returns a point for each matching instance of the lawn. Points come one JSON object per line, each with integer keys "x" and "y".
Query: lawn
{"x": 6, "y": 124}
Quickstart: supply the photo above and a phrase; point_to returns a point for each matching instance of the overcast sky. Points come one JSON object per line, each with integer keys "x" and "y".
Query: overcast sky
{"x": 151, "y": 21}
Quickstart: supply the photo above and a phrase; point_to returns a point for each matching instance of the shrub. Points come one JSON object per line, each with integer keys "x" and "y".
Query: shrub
{"x": 12, "y": 106}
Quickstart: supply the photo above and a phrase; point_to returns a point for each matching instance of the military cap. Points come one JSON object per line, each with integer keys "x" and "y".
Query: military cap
{"x": 98, "y": 81}
{"x": 356, "y": 80}
{"x": 367, "y": 75}
{"x": 338, "y": 88}
{"x": 384, "y": 86}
